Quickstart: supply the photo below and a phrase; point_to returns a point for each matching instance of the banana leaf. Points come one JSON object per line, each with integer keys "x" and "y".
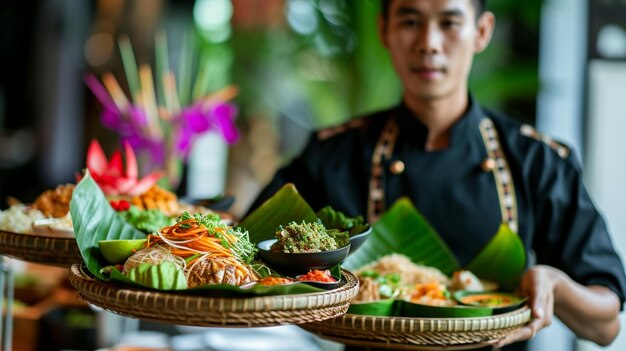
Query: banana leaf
{"x": 402, "y": 229}
{"x": 406, "y": 308}
{"x": 95, "y": 220}
{"x": 377, "y": 308}
{"x": 164, "y": 276}
{"x": 334, "y": 219}
{"x": 502, "y": 260}
{"x": 284, "y": 206}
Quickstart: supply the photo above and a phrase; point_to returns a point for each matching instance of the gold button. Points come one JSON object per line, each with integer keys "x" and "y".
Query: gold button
{"x": 396, "y": 167}
{"x": 488, "y": 165}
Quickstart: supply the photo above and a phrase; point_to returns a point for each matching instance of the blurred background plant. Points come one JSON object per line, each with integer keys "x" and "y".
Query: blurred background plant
{"x": 163, "y": 114}
{"x": 315, "y": 63}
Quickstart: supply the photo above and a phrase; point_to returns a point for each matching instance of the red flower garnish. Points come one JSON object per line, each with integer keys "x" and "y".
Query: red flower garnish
{"x": 111, "y": 176}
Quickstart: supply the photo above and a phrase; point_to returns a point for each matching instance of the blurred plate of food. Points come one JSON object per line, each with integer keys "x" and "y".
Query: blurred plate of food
{"x": 54, "y": 227}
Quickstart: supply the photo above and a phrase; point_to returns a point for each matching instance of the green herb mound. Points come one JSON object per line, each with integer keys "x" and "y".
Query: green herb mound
{"x": 308, "y": 237}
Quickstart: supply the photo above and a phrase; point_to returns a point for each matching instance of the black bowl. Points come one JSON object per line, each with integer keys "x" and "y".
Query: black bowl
{"x": 358, "y": 239}
{"x": 293, "y": 264}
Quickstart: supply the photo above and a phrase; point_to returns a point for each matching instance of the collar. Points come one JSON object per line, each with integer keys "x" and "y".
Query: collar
{"x": 415, "y": 132}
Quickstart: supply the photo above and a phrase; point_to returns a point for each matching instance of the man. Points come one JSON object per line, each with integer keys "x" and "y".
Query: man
{"x": 465, "y": 167}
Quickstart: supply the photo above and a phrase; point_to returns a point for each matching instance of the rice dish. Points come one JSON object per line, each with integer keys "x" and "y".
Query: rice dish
{"x": 409, "y": 272}
{"x": 19, "y": 219}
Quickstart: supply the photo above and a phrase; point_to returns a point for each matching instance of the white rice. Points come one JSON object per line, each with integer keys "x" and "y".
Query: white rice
{"x": 19, "y": 219}
{"x": 410, "y": 273}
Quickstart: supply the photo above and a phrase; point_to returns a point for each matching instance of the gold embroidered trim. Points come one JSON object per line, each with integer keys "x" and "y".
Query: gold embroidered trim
{"x": 501, "y": 173}
{"x": 382, "y": 150}
{"x": 531, "y": 132}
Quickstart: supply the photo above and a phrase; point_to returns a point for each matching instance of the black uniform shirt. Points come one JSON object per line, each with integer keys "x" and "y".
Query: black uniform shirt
{"x": 558, "y": 222}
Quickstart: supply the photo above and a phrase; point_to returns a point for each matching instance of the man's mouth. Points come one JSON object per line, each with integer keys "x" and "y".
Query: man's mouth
{"x": 427, "y": 72}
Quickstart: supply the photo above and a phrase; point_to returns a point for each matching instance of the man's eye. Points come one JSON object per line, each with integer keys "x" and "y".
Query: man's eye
{"x": 450, "y": 24}
{"x": 409, "y": 22}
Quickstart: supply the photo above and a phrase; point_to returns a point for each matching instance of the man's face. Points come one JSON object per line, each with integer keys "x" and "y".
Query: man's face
{"x": 432, "y": 44}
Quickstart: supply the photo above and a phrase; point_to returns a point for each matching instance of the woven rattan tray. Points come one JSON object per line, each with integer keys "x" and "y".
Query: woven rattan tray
{"x": 186, "y": 309}
{"x": 61, "y": 252}
{"x": 405, "y": 333}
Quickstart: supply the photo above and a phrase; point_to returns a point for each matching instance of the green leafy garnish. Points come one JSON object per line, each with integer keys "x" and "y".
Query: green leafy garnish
{"x": 148, "y": 221}
{"x": 338, "y": 220}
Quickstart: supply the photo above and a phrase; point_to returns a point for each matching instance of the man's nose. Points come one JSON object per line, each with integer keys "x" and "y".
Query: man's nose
{"x": 429, "y": 41}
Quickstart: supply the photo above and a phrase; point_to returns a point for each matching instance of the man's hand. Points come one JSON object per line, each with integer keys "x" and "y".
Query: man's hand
{"x": 538, "y": 285}
{"x": 591, "y": 312}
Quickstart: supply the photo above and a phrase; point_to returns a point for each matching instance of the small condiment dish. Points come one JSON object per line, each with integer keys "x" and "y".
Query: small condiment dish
{"x": 500, "y": 302}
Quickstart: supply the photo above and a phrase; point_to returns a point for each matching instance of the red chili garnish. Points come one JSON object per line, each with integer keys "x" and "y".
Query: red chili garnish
{"x": 121, "y": 205}
{"x": 317, "y": 275}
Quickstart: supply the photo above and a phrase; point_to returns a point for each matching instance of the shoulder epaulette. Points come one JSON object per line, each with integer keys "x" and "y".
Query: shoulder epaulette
{"x": 326, "y": 133}
{"x": 529, "y": 131}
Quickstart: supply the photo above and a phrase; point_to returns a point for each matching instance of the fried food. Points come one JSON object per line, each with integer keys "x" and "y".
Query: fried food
{"x": 210, "y": 270}
{"x": 157, "y": 198}
{"x": 55, "y": 202}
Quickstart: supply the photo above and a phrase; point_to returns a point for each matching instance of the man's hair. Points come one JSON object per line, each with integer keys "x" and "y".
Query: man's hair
{"x": 480, "y": 6}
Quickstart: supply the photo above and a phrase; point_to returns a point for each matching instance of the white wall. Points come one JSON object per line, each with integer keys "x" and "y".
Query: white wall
{"x": 606, "y": 161}
{"x": 559, "y": 105}
{"x": 561, "y": 114}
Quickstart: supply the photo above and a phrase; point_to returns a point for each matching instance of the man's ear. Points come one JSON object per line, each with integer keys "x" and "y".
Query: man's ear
{"x": 382, "y": 30}
{"x": 485, "y": 26}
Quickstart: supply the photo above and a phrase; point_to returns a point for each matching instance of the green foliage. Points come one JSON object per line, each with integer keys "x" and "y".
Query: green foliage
{"x": 95, "y": 220}
{"x": 502, "y": 260}
{"x": 164, "y": 276}
{"x": 338, "y": 220}
{"x": 341, "y": 70}
{"x": 148, "y": 221}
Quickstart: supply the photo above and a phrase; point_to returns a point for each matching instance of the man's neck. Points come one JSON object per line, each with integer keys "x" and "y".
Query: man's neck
{"x": 438, "y": 115}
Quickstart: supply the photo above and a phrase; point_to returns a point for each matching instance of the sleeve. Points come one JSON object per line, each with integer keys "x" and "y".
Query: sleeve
{"x": 571, "y": 234}
{"x": 302, "y": 172}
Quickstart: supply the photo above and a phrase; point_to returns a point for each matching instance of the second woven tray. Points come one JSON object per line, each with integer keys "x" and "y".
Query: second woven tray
{"x": 406, "y": 333}
{"x": 61, "y": 252}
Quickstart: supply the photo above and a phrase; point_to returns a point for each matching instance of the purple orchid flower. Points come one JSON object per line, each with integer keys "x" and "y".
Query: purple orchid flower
{"x": 199, "y": 119}
{"x": 224, "y": 115}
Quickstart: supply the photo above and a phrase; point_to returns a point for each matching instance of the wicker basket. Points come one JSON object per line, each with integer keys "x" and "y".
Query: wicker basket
{"x": 405, "y": 333}
{"x": 62, "y": 252}
{"x": 185, "y": 309}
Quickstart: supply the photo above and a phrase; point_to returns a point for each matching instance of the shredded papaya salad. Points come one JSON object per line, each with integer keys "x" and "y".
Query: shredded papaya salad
{"x": 196, "y": 237}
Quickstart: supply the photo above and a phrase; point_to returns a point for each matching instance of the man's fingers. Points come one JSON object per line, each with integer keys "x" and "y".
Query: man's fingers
{"x": 525, "y": 333}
